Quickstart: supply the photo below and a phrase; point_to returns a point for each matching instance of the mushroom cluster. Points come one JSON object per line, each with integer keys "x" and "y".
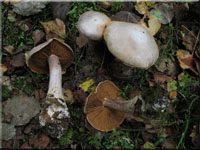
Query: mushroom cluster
{"x": 131, "y": 43}
{"x": 52, "y": 57}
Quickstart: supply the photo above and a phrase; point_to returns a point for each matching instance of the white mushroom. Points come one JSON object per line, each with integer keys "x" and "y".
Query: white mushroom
{"x": 92, "y": 24}
{"x": 131, "y": 43}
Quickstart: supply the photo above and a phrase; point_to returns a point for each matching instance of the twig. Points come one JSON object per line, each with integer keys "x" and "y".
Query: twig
{"x": 195, "y": 44}
{"x": 189, "y": 31}
{"x": 162, "y": 54}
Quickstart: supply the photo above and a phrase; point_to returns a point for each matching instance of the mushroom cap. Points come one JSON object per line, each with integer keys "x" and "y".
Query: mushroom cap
{"x": 131, "y": 43}
{"x": 100, "y": 117}
{"x": 37, "y": 58}
{"x": 92, "y": 24}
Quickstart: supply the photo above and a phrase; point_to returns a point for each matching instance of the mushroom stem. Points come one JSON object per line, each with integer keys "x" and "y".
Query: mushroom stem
{"x": 124, "y": 106}
{"x": 55, "y": 81}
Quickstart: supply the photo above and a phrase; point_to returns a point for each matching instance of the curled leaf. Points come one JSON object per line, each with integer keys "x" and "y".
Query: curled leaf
{"x": 56, "y": 26}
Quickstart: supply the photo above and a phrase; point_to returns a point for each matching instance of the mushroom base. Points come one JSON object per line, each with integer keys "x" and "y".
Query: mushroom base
{"x": 55, "y": 117}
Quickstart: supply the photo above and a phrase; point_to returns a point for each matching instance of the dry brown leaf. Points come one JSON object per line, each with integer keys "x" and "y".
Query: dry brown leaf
{"x": 3, "y": 68}
{"x": 18, "y": 60}
{"x": 152, "y": 25}
{"x": 186, "y": 60}
{"x": 56, "y": 26}
{"x": 188, "y": 41}
{"x": 37, "y": 36}
{"x": 9, "y": 49}
{"x": 161, "y": 78}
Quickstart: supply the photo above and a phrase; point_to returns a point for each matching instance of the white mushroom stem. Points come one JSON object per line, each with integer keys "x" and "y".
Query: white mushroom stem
{"x": 55, "y": 81}
{"x": 127, "y": 106}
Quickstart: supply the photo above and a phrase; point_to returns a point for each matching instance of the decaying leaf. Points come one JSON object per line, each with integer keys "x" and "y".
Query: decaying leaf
{"x": 56, "y": 26}
{"x": 186, "y": 60}
{"x": 164, "y": 13}
{"x": 86, "y": 85}
{"x": 161, "y": 78}
{"x": 141, "y": 8}
{"x": 188, "y": 40}
{"x": 8, "y": 131}
{"x": 167, "y": 66}
{"x": 125, "y": 16}
{"x": 9, "y": 49}
{"x": 37, "y": 36}
{"x": 152, "y": 25}
{"x": 12, "y": 16}
{"x": 18, "y": 60}
{"x": 22, "y": 108}
{"x": 68, "y": 95}
{"x": 3, "y": 68}
{"x": 148, "y": 145}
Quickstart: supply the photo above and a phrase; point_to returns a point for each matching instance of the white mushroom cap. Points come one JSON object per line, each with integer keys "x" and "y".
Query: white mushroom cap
{"x": 92, "y": 24}
{"x": 132, "y": 44}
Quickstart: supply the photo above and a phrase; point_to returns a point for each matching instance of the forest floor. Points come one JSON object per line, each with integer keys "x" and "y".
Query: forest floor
{"x": 170, "y": 88}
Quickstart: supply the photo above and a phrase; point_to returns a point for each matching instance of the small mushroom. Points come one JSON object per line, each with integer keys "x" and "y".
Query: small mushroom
{"x": 51, "y": 57}
{"x": 100, "y": 117}
{"x": 92, "y": 24}
{"x": 131, "y": 43}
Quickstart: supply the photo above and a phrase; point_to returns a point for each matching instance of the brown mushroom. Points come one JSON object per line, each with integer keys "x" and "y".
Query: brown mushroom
{"x": 51, "y": 57}
{"x": 100, "y": 117}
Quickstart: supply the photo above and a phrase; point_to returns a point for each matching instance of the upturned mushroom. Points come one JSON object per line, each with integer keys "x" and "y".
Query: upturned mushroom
{"x": 131, "y": 43}
{"x": 92, "y": 24}
{"x": 51, "y": 57}
{"x": 100, "y": 117}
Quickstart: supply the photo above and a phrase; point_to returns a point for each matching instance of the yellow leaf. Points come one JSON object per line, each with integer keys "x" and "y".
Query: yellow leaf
{"x": 85, "y": 85}
{"x": 153, "y": 24}
{"x": 3, "y": 68}
{"x": 173, "y": 94}
{"x": 141, "y": 8}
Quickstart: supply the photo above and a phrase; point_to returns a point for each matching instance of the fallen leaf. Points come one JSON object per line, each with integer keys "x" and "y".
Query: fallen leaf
{"x": 167, "y": 66}
{"x": 8, "y": 131}
{"x": 51, "y": 35}
{"x": 9, "y": 49}
{"x": 141, "y": 8}
{"x": 86, "y": 85}
{"x": 106, "y": 5}
{"x": 161, "y": 78}
{"x": 188, "y": 41}
{"x": 81, "y": 41}
{"x": 11, "y": 1}
{"x": 26, "y": 146}
{"x": 148, "y": 145}
{"x": 125, "y": 16}
{"x": 18, "y": 60}
{"x": 173, "y": 95}
{"x": 12, "y": 16}
{"x": 24, "y": 25}
{"x": 169, "y": 144}
{"x": 3, "y": 68}
{"x": 186, "y": 60}
{"x": 68, "y": 95}
{"x": 56, "y": 26}
{"x": 22, "y": 108}
{"x": 41, "y": 141}
{"x": 163, "y": 12}
{"x": 152, "y": 25}
{"x": 37, "y": 36}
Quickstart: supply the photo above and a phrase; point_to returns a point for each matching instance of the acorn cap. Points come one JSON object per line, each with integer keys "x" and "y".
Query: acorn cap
{"x": 131, "y": 43}
{"x": 37, "y": 58}
{"x": 92, "y": 24}
{"x": 100, "y": 117}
